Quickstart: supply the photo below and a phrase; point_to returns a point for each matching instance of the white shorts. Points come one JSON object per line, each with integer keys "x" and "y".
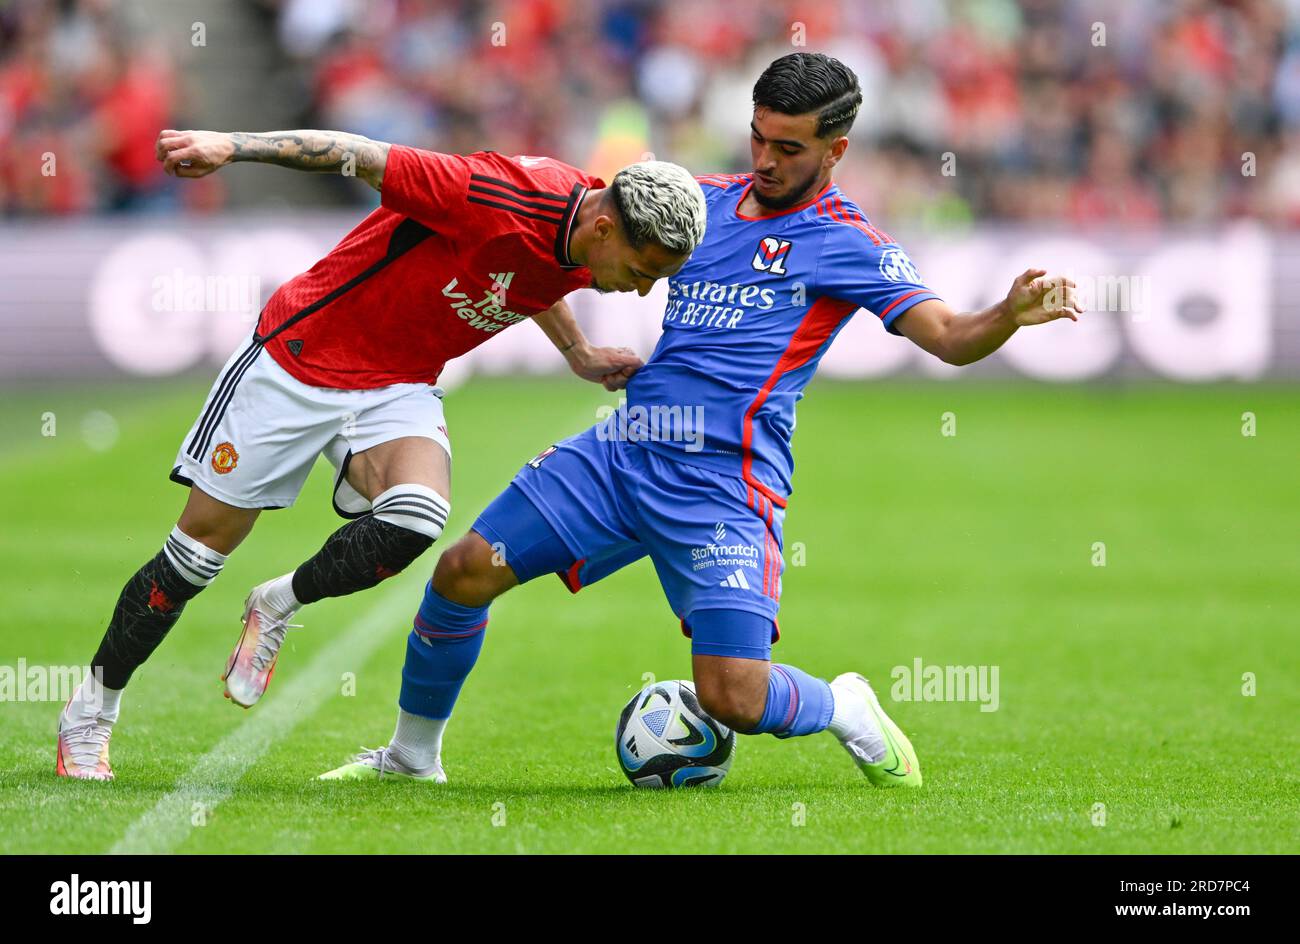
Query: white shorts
{"x": 261, "y": 430}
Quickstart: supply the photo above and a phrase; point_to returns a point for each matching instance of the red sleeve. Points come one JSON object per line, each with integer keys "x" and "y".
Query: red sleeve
{"x": 425, "y": 185}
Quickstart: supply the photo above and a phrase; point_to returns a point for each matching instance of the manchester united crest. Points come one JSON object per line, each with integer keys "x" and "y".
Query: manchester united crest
{"x": 224, "y": 458}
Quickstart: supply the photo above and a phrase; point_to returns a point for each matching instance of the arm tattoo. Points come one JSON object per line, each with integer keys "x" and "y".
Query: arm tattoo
{"x": 316, "y": 151}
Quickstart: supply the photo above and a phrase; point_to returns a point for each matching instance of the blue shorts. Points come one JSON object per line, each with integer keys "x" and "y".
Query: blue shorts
{"x": 715, "y": 542}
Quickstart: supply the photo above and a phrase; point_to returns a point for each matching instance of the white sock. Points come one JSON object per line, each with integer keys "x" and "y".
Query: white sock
{"x": 92, "y": 699}
{"x": 417, "y": 742}
{"x": 846, "y": 715}
{"x": 852, "y": 720}
{"x": 279, "y": 597}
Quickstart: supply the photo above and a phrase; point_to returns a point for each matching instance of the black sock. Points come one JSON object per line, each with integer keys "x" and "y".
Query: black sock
{"x": 357, "y": 556}
{"x": 148, "y": 607}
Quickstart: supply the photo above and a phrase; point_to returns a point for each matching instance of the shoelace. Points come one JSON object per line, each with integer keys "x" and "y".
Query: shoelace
{"x": 86, "y": 741}
{"x": 271, "y": 630}
{"x": 377, "y": 754}
{"x": 869, "y": 747}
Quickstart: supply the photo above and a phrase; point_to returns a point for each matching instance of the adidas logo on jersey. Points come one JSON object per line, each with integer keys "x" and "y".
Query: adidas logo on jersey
{"x": 735, "y": 580}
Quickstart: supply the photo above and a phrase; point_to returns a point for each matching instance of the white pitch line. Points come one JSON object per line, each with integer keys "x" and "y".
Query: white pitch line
{"x": 213, "y": 778}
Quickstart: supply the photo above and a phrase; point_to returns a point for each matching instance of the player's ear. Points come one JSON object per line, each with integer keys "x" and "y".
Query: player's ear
{"x": 837, "y": 149}
{"x": 605, "y": 227}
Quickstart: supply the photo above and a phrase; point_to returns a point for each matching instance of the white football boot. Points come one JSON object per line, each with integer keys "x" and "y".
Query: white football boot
{"x": 251, "y": 665}
{"x": 378, "y": 764}
{"x": 83, "y": 747}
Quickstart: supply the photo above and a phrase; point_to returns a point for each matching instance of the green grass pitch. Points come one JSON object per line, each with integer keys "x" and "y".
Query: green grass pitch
{"x": 1120, "y": 684}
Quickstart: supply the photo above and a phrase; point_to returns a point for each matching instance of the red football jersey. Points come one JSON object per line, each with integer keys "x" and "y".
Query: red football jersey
{"x": 462, "y": 247}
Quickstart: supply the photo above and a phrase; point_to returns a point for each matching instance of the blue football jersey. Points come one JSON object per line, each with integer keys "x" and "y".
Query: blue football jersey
{"x": 748, "y": 319}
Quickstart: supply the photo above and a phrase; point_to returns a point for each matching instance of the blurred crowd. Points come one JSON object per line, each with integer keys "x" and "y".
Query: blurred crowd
{"x": 1079, "y": 111}
{"x": 83, "y": 93}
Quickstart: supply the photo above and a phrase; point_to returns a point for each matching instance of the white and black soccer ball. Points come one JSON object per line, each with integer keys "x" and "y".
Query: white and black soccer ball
{"x": 664, "y": 739}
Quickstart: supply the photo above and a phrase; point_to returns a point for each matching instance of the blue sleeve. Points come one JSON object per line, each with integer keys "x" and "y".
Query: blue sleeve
{"x": 859, "y": 267}
{"x": 712, "y": 191}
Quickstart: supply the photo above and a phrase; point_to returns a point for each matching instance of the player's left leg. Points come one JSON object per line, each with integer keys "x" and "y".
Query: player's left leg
{"x": 738, "y": 685}
{"x": 716, "y": 545}
{"x": 394, "y": 483}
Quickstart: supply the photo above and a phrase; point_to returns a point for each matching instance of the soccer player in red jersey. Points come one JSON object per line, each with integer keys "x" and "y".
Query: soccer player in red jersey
{"x": 344, "y": 360}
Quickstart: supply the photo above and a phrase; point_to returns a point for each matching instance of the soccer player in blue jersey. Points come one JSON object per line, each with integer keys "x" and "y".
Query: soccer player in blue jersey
{"x": 696, "y": 471}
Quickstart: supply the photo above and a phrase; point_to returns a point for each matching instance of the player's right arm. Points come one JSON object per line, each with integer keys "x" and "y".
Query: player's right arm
{"x": 611, "y": 367}
{"x": 961, "y": 339}
{"x": 199, "y": 153}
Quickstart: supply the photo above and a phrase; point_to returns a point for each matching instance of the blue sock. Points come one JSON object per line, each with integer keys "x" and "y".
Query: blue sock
{"x": 442, "y": 648}
{"x": 797, "y": 704}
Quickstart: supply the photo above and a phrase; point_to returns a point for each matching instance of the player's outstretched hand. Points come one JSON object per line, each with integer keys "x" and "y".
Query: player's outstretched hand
{"x": 1037, "y": 300}
{"x": 193, "y": 153}
{"x": 611, "y": 367}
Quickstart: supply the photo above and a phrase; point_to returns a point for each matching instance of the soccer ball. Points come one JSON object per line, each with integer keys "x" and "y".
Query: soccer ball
{"x": 664, "y": 739}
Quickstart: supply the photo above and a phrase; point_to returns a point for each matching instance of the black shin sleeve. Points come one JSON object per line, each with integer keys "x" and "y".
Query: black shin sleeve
{"x": 148, "y": 607}
{"x": 357, "y": 556}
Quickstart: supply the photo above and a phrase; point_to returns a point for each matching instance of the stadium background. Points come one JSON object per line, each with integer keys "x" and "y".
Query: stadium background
{"x": 1167, "y": 158}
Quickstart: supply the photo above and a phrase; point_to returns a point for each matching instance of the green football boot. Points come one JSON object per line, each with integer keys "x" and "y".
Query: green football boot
{"x": 899, "y": 767}
{"x": 378, "y": 764}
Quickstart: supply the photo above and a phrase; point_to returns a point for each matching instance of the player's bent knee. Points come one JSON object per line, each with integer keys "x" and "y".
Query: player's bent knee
{"x": 729, "y": 651}
{"x": 730, "y": 702}
{"x": 454, "y": 570}
{"x": 398, "y": 548}
{"x": 416, "y": 508}
{"x": 412, "y": 518}
{"x": 216, "y": 524}
{"x": 471, "y": 573}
